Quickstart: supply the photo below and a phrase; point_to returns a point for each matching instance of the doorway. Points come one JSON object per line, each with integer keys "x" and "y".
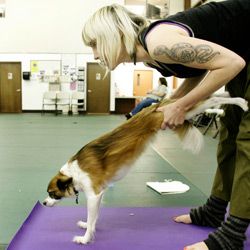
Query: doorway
{"x": 143, "y": 82}
{"x": 98, "y": 89}
{"x": 10, "y": 87}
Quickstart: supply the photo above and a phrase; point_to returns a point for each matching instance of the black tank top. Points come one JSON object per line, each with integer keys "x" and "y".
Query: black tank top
{"x": 225, "y": 23}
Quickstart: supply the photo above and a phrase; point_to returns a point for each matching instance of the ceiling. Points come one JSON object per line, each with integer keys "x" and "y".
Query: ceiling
{"x": 159, "y": 2}
{"x": 142, "y": 2}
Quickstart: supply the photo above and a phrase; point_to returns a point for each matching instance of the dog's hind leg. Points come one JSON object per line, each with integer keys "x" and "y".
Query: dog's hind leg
{"x": 93, "y": 205}
{"x": 216, "y": 101}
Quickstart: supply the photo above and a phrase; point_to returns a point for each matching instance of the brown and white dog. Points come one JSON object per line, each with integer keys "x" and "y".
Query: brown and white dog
{"x": 109, "y": 157}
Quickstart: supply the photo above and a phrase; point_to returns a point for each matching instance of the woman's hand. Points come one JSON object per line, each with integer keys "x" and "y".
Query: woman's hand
{"x": 174, "y": 115}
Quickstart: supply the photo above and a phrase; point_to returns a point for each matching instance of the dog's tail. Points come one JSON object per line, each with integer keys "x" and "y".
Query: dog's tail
{"x": 191, "y": 138}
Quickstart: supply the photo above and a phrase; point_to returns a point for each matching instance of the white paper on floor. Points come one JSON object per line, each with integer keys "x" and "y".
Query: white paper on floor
{"x": 168, "y": 187}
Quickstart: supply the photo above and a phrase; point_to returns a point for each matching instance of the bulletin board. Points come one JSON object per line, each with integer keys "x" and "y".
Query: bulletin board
{"x": 46, "y": 67}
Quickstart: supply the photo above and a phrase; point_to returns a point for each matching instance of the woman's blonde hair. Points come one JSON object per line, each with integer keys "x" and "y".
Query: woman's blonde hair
{"x": 111, "y": 27}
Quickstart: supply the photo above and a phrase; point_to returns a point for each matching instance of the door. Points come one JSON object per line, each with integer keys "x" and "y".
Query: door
{"x": 10, "y": 87}
{"x": 143, "y": 82}
{"x": 98, "y": 89}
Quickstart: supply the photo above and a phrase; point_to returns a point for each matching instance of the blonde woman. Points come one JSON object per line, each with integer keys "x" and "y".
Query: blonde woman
{"x": 209, "y": 47}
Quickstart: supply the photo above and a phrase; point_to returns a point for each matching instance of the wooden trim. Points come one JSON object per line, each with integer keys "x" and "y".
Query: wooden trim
{"x": 199, "y": 3}
{"x": 187, "y": 4}
{"x": 18, "y": 109}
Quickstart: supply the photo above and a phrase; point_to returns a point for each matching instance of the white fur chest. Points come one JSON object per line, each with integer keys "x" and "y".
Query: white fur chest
{"x": 81, "y": 179}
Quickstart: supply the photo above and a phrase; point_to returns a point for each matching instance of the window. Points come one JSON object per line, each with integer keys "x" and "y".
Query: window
{"x": 2, "y": 8}
{"x": 152, "y": 9}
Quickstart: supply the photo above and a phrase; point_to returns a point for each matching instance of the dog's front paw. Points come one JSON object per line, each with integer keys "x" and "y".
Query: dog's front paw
{"x": 82, "y": 224}
{"x": 81, "y": 240}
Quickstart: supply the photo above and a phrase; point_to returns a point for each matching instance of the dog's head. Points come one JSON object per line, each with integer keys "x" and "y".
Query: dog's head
{"x": 60, "y": 186}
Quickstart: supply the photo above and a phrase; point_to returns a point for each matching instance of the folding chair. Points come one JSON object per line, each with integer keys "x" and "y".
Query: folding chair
{"x": 49, "y": 100}
{"x": 63, "y": 102}
{"x": 214, "y": 114}
{"x": 77, "y": 102}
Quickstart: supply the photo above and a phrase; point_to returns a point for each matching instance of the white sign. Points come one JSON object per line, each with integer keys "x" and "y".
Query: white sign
{"x": 10, "y": 76}
{"x": 98, "y": 76}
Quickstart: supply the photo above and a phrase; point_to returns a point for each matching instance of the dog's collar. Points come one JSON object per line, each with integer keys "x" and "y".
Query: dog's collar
{"x": 76, "y": 194}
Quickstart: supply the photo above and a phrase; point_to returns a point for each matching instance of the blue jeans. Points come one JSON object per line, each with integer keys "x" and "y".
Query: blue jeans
{"x": 143, "y": 104}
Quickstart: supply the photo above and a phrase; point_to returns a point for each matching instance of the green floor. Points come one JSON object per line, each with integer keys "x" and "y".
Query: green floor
{"x": 33, "y": 147}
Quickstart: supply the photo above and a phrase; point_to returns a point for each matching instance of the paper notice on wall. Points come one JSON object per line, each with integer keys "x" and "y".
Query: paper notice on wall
{"x": 68, "y": 63}
{"x": 73, "y": 86}
{"x": 34, "y": 67}
{"x": 65, "y": 70}
{"x": 80, "y": 87}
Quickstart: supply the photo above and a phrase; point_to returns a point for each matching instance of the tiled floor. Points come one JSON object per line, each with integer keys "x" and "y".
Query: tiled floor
{"x": 33, "y": 147}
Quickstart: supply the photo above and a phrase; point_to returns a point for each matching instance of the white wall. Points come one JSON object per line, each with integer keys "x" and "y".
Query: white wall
{"x": 46, "y": 26}
{"x": 45, "y": 30}
{"x": 32, "y": 90}
{"x": 51, "y": 29}
{"x": 123, "y": 75}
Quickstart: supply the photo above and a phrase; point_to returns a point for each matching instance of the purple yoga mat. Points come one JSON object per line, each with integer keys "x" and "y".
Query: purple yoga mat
{"x": 117, "y": 229}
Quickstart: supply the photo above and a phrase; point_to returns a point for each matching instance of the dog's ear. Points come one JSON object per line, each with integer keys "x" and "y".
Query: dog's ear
{"x": 64, "y": 183}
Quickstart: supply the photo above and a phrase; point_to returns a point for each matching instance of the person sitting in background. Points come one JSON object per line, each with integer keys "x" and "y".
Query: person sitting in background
{"x": 153, "y": 96}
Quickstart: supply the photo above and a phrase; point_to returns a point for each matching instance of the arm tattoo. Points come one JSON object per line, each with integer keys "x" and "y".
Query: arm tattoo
{"x": 186, "y": 53}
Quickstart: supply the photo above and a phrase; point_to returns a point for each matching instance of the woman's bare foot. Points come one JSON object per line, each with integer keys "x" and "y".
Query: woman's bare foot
{"x": 197, "y": 246}
{"x": 185, "y": 218}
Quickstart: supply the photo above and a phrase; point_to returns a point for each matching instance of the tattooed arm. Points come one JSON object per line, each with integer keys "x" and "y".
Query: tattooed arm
{"x": 187, "y": 85}
{"x": 171, "y": 46}
{"x": 186, "y": 53}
